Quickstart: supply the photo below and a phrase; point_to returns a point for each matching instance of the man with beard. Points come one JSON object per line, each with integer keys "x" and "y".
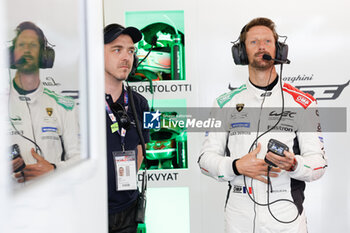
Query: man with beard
{"x": 123, "y": 140}
{"x": 44, "y": 126}
{"x": 262, "y": 197}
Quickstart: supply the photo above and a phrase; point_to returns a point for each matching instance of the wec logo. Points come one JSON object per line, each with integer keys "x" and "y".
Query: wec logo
{"x": 289, "y": 114}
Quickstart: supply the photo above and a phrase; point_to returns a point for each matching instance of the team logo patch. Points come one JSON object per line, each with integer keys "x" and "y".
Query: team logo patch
{"x": 49, "y": 111}
{"x": 266, "y": 94}
{"x": 300, "y": 97}
{"x": 49, "y": 129}
{"x": 239, "y": 107}
{"x": 242, "y": 189}
{"x": 241, "y": 125}
{"x": 24, "y": 98}
{"x": 302, "y": 100}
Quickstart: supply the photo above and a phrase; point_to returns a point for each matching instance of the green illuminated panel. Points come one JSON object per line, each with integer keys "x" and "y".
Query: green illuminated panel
{"x": 166, "y": 61}
{"x": 168, "y": 146}
{"x": 140, "y": 19}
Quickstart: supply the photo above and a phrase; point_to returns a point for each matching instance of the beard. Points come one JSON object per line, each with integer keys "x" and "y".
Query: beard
{"x": 28, "y": 69}
{"x": 29, "y": 66}
{"x": 261, "y": 64}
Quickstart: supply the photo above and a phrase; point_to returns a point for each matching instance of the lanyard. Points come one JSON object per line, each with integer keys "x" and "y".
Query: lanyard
{"x": 126, "y": 100}
{"x": 115, "y": 126}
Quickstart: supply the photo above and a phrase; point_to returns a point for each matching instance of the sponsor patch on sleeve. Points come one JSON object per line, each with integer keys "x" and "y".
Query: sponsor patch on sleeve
{"x": 300, "y": 97}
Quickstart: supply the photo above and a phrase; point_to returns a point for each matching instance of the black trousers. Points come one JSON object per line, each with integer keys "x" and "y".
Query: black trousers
{"x": 123, "y": 222}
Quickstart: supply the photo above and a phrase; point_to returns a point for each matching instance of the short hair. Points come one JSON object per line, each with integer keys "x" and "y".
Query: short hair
{"x": 27, "y": 25}
{"x": 258, "y": 22}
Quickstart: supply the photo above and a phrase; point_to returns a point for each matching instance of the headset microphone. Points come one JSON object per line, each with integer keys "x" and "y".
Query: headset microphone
{"x": 269, "y": 58}
{"x": 21, "y": 61}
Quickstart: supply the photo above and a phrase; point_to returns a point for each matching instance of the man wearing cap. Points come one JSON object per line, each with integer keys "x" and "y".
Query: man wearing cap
{"x": 123, "y": 141}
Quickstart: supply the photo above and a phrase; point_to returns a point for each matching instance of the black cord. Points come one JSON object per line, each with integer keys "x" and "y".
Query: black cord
{"x": 37, "y": 147}
{"x": 261, "y": 107}
{"x": 149, "y": 51}
{"x": 153, "y": 43}
{"x": 255, "y": 142}
{"x": 268, "y": 204}
{"x": 31, "y": 121}
{"x": 138, "y": 128}
{"x": 279, "y": 200}
{"x": 141, "y": 207}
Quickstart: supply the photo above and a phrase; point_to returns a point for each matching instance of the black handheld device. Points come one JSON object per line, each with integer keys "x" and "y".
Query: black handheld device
{"x": 141, "y": 201}
{"x": 276, "y": 147}
{"x": 15, "y": 153}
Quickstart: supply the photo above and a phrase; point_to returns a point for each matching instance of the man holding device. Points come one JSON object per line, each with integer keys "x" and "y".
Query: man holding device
{"x": 266, "y": 167}
{"x": 44, "y": 128}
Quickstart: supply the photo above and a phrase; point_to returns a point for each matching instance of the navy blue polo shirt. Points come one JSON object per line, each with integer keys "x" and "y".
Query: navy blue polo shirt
{"x": 118, "y": 201}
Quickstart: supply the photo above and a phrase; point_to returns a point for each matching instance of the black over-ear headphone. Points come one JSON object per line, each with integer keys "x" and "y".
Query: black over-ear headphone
{"x": 134, "y": 65}
{"x": 239, "y": 52}
{"x": 46, "y": 54}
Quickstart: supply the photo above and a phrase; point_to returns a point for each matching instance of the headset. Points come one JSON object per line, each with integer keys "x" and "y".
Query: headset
{"x": 240, "y": 56}
{"x": 135, "y": 64}
{"x": 46, "y": 54}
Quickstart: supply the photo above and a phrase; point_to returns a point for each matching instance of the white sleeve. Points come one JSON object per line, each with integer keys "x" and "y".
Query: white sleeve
{"x": 212, "y": 160}
{"x": 312, "y": 160}
{"x": 70, "y": 138}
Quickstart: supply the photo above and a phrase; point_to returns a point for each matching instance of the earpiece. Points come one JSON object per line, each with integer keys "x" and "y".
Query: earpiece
{"x": 134, "y": 65}
{"x": 47, "y": 57}
{"x": 240, "y": 56}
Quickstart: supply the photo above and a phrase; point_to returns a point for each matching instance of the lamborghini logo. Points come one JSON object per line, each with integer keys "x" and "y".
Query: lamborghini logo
{"x": 49, "y": 111}
{"x": 239, "y": 107}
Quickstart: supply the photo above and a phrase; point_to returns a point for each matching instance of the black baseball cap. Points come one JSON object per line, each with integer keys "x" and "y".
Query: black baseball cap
{"x": 112, "y": 31}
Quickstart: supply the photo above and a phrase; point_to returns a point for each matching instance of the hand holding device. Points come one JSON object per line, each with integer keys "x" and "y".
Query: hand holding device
{"x": 277, "y": 148}
{"x": 32, "y": 171}
{"x": 253, "y": 167}
{"x": 17, "y": 162}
